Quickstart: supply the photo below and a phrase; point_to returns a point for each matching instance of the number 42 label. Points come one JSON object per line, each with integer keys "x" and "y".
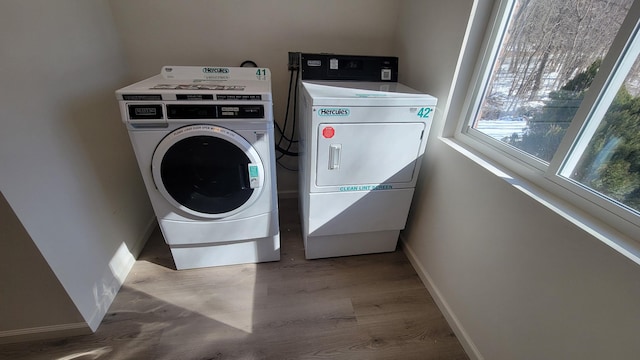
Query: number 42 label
{"x": 424, "y": 112}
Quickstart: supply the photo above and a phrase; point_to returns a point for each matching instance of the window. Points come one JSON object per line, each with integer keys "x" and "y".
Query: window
{"x": 606, "y": 156}
{"x": 556, "y": 99}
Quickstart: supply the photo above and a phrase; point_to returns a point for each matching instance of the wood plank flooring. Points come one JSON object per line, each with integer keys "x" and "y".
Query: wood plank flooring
{"x": 358, "y": 307}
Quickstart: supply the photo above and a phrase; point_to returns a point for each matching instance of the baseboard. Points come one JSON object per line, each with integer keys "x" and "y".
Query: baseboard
{"x": 44, "y": 332}
{"x": 462, "y": 335}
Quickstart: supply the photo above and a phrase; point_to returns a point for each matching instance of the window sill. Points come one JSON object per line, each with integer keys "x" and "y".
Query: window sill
{"x": 597, "y": 228}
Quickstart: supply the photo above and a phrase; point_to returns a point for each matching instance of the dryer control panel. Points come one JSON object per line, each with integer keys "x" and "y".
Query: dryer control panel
{"x": 348, "y": 67}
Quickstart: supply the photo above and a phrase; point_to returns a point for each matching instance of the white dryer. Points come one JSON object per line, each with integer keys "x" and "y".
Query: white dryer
{"x": 203, "y": 138}
{"x": 361, "y": 145}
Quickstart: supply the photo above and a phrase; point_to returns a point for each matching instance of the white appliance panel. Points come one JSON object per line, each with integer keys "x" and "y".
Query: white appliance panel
{"x": 358, "y": 211}
{"x": 362, "y": 93}
{"x": 367, "y": 153}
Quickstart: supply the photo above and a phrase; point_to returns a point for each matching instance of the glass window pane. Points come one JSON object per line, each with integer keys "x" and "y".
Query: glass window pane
{"x": 547, "y": 59}
{"x": 610, "y": 162}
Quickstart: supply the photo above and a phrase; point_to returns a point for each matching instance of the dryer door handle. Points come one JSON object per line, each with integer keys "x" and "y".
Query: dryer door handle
{"x": 334, "y": 156}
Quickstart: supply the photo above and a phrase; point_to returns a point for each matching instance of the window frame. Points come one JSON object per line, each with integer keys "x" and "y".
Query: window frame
{"x": 548, "y": 176}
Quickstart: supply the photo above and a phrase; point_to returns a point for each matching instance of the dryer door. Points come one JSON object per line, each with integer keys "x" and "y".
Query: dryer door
{"x": 367, "y": 153}
{"x": 208, "y": 171}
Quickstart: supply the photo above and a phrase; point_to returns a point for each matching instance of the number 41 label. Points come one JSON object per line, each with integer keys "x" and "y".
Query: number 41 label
{"x": 424, "y": 112}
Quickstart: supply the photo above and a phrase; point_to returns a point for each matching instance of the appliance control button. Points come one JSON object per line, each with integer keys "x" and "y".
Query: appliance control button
{"x": 328, "y": 132}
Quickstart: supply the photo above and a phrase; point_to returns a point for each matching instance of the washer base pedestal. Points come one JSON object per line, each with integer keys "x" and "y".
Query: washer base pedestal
{"x": 232, "y": 253}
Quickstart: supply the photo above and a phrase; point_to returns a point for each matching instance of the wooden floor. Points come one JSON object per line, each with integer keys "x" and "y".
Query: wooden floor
{"x": 358, "y": 307}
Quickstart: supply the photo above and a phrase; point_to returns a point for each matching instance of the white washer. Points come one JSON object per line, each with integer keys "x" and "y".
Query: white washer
{"x": 361, "y": 148}
{"x": 203, "y": 138}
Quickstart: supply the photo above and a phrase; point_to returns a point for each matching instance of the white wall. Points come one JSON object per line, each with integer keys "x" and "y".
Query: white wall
{"x": 22, "y": 304}
{"x": 225, "y": 32}
{"x": 66, "y": 165}
{"x": 516, "y": 280}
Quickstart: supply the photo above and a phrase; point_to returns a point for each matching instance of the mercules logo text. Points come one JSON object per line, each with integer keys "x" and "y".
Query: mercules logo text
{"x": 334, "y": 112}
{"x": 212, "y": 70}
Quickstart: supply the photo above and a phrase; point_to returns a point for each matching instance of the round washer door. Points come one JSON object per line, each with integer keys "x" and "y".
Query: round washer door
{"x": 207, "y": 171}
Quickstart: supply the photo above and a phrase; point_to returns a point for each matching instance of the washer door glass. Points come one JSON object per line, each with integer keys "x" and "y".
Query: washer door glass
{"x": 207, "y": 170}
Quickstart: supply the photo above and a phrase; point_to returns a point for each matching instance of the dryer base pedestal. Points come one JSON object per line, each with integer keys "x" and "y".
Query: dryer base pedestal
{"x": 317, "y": 247}
{"x": 232, "y": 253}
